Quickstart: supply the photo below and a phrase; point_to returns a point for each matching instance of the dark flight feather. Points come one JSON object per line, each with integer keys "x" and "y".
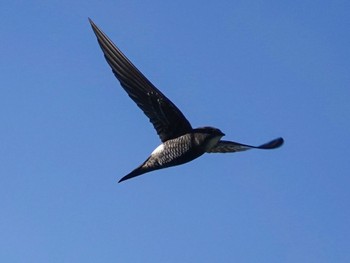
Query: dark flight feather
{"x": 229, "y": 147}
{"x": 166, "y": 118}
{"x": 180, "y": 142}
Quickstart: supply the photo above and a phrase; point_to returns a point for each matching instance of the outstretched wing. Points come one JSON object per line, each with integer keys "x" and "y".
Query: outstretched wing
{"x": 166, "y": 118}
{"x": 227, "y": 146}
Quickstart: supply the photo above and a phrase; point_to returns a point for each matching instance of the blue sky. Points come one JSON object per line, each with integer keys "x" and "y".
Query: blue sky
{"x": 255, "y": 69}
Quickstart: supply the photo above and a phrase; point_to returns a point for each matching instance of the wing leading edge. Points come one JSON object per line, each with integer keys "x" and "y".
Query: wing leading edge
{"x": 167, "y": 119}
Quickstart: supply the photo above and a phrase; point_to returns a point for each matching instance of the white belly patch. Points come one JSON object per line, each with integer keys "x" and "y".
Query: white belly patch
{"x": 158, "y": 149}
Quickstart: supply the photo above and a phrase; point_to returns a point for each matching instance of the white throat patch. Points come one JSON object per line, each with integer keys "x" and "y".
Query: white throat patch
{"x": 212, "y": 142}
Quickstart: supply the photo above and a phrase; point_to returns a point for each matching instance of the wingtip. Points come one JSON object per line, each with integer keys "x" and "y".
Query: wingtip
{"x": 278, "y": 142}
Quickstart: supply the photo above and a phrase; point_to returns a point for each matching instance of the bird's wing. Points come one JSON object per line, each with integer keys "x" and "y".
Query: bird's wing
{"x": 166, "y": 118}
{"x": 227, "y": 146}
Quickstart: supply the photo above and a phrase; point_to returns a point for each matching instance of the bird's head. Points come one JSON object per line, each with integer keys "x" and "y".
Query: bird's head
{"x": 215, "y": 132}
{"x": 208, "y": 137}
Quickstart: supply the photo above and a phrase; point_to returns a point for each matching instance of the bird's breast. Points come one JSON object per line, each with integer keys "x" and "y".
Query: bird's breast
{"x": 176, "y": 151}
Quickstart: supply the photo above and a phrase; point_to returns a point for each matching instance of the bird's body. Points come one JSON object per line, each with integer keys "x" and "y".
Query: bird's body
{"x": 180, "y": 142}
{"x": 178, "y": 151}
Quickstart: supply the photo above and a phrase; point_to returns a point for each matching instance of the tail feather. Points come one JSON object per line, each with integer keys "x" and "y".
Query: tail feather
{"x": 138, "y": 171}
{"x": 142, "y": 169}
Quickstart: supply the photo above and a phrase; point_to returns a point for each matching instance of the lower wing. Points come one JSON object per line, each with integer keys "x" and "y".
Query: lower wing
{"x": 227, "y": 146}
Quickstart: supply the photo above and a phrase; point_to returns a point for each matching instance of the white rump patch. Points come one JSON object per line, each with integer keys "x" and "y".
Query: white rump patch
{"x": 158, "y": 149}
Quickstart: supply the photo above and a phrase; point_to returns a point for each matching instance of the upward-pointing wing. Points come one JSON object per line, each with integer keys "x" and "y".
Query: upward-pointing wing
{"x": 166, "y": 118}
{"x": 227, "y": 146}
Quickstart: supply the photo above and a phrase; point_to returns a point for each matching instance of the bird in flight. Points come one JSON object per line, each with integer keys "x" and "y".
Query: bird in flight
{"x": 180, "y": 142}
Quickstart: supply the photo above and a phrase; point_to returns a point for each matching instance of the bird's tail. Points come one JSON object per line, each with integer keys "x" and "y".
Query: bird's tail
{"x": 138, "y": 171}
{"x": 143, "y": 168}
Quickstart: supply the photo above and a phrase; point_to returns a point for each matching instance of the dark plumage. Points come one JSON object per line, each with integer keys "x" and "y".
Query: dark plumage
{"x": 180, "y": 142}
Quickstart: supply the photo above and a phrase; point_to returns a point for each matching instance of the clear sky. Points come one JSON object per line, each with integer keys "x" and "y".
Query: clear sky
{"x": 255, "y": 69}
